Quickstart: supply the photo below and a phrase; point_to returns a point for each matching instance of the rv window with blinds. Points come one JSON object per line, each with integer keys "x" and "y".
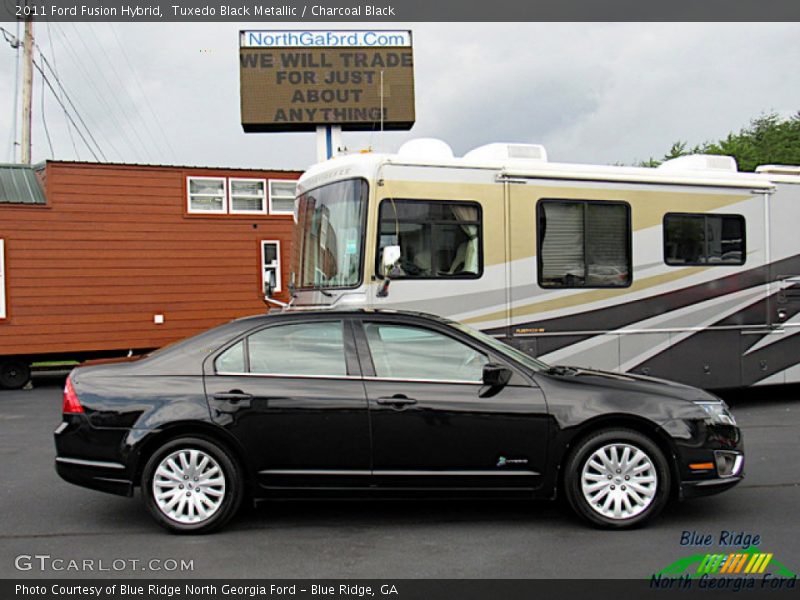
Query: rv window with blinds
{"x": 584, "y": 243}
{"x": 701, "y": 239}
{"x": 437, "y": 239}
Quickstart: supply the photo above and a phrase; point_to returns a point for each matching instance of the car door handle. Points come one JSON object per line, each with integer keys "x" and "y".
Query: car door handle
{"x": 396, "y": 400}
{"x": 234, "y": 396}
{"x": 232, "y": 401}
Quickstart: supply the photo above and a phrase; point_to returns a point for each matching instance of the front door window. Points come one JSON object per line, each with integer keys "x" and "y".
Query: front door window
{"x": 407, "y": 352}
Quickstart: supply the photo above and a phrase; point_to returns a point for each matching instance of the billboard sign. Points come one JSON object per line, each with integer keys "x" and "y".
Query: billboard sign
{"x": 301, "y": 79}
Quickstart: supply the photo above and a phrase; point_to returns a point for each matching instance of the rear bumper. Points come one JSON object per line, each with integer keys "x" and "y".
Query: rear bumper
{"x": 97, "y": 475}
{"x": 92, "y": 457}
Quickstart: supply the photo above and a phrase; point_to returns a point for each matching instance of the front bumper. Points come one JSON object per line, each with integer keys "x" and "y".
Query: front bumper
{"x": 709, "y": 457}
{"x": 707, "y": 487}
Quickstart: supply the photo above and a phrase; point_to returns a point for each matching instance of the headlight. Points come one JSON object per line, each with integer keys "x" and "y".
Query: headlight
{"x": 717, "y": 412}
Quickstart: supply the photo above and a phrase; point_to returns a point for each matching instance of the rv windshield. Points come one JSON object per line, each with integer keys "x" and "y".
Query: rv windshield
{"x": 328, "y": 236}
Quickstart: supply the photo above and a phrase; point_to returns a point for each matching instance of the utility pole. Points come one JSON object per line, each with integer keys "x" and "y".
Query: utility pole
{"x": 27, "y": 89}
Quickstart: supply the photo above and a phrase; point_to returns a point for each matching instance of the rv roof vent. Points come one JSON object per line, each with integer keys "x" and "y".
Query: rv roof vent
{"x": 700, "y": 162}
{"x": 779, "y": 169}
{"x": 425, "y": 148}
{"x": 508, "y": 152}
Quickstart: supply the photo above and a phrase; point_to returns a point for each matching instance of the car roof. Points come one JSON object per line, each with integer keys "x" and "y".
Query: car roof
{"x": 322, "y": 313}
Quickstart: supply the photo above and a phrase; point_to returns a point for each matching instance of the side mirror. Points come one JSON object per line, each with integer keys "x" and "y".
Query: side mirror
{"x": 496, "y": 376}
{"x": 389, "y": 257}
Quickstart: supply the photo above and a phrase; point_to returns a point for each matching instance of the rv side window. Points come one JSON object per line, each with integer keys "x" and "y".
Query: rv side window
{"x": 584, "y": 243}
{"x": 701, "y": 239}
{"x": 437, "y": 239}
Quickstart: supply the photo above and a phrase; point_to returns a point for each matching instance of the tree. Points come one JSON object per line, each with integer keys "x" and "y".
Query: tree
{"x": 768, "y": 139}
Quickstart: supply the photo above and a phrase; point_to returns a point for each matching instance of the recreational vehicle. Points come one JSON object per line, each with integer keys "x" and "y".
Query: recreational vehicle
{"x": 689, "y": 271}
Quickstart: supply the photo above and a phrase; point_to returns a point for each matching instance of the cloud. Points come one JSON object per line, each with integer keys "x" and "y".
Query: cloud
{"x": 590, "y": 92}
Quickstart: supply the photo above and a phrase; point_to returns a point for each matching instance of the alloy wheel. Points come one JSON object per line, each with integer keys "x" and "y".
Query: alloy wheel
{"x": 619, "y": 481}
{"x": 188, "y": 486}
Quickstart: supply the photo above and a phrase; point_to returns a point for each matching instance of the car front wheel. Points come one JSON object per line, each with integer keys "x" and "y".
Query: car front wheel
{"x": 617, "y": 478}
{"x": 192, "y": 485}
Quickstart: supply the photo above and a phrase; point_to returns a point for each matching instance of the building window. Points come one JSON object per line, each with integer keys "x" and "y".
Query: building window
{"x": 281, "y": 196}
{"x": 437, "y": 239}
{"x": 702, "y": 239}
{"x": 207, "y": 194}
{"x": 584, "y": 244}
{"x": 248, "y": 196}
{"x": 271, "y": 264}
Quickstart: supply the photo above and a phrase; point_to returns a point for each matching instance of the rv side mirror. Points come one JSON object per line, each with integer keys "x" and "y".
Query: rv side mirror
{"x": 496, "y": 376}
{"x": 389, "y": 257}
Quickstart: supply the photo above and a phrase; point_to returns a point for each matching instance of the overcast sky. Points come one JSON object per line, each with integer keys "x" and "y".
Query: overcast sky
{"x": 168, "y": 93}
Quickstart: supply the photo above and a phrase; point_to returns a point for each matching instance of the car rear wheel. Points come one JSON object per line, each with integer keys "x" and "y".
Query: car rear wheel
{"x": 617, "y": 478}
{"x": 192, "y": 485}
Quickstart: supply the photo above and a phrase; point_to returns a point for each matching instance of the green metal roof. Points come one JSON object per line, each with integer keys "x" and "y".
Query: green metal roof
{"x": 19, "y": 185}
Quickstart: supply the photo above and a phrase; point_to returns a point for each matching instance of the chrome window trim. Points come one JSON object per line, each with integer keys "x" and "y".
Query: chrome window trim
{"x": 286, "y": 375}
{"x": 350, "y": 377}
{"x": 415, "y": 380}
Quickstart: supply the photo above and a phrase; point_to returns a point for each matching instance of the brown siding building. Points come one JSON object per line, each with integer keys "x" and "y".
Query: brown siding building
{"x": 129, "y": 257}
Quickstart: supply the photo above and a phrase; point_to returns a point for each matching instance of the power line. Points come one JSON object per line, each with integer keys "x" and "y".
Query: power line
{"x": 13, "y": 40}
{"x": 55, "y": 95}
{"x": 98, "y": 94}
{"x": 67, "y": 96}
{"x": 144, "y": 95}
{"x": 104, "y": 79}
{"x": 44, "y": 123}
{"x": 55, "y": 74}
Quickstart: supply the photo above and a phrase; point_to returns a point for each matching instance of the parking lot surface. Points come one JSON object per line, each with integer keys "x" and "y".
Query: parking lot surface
{"x": 45, "y": 516}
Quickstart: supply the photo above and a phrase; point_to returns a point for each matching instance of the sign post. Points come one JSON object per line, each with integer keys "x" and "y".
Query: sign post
{"x": 329, "y": 141}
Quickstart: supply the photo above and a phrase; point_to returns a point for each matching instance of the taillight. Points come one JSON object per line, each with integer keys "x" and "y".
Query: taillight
{"x": 71, "y": 403}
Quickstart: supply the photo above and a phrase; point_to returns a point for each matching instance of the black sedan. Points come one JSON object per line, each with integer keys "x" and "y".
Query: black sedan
{"x": 384, "y": 403}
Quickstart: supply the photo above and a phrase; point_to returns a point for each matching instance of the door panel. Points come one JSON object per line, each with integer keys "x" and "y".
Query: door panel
{"x": 450, "y": 437}
{"x": 431, "y": 427}
{"x": 298, "y": 405}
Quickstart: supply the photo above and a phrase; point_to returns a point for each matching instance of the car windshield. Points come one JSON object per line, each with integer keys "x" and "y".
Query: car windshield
{"x": 503, "y": 348}
{"x": 329, "y": 235}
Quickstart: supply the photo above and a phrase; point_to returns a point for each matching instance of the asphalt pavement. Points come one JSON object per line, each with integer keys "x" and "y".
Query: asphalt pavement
{"x": 45, "y": 516}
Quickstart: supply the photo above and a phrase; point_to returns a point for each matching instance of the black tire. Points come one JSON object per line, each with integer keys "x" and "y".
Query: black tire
{"x": 14, "y": 374}
{"x": 231, "y": 497}
{"x": 583, "y": 452}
